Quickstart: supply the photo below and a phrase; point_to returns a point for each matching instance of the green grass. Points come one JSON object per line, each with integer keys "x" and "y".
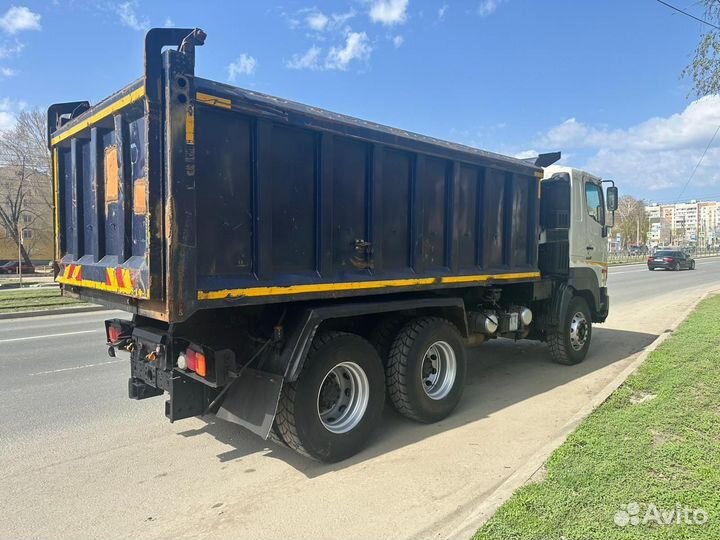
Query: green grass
{"x": 33, "y": 298}
{"x": 662, "y": 450}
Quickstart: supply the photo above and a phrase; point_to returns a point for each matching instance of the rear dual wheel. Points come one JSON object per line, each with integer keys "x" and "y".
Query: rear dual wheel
{"x": 329, "y": 412}
{"x": 425, "y": 373}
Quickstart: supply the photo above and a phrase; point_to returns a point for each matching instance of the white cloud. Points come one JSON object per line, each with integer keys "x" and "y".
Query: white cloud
{"x": 244, "y": 65}
{"x": 388, "y": 12}
{"x": 357, "y": 47}
{"x": 398, "y": 41}
{"x": 19, "y": 18}
{"x": 658, "y": 153}
{"x": 442, "y": 10}
{"x": 7, "y": 72}
{"x": 8, "y": 51}
{"x": 317, "y": 21}
{"x": 130, "y": 18}
{"x": 169, "y": 23}
{"x": 310, "y": 59}
{"x": 525, "y": 154}
{"x": 8, "y": 112}
{"x": 488, "y": 7}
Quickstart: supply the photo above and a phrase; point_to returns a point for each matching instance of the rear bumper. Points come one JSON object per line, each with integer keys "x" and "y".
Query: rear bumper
{"x": 661, "y": 265}
{"x": 245, "y": 396}
{"x": 153, "y": 372}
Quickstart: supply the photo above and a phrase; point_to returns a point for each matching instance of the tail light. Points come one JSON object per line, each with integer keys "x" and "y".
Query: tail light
{"x": 650, "y": 259}
{"x": 193, "y": 360}
{"x": 668, "y": 259}
{"x": 117, "y": 330}
{"x": 114, "y": 334}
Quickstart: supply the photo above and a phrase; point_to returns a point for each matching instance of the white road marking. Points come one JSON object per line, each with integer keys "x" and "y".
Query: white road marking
{"x": 77, "y": 367}
{"x": 26, "y": 338}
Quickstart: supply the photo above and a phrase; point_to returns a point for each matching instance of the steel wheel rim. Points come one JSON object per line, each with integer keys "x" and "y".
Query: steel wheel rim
{"x": 343, "y": 397}
{"x": 578, "y": 331}
{"x": 439, "y": 370}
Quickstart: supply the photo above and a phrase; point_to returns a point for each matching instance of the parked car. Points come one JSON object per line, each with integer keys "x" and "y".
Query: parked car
{"x": 670, "y": 260}
{"x": 12, "y": 268}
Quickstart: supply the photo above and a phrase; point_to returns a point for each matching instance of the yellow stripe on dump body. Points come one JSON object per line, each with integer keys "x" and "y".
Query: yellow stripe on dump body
{"x": 121, "y": 103}
{"x": 356, "y": 285}
{"x": 214, "y": 101}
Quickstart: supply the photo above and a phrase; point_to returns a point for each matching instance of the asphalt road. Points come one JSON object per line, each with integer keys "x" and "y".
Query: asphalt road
{"x": 80, "y": 460}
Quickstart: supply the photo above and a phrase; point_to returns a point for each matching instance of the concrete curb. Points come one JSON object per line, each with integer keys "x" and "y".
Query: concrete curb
{"x": 485, "y": 510}
{"x": 59, "y": 311}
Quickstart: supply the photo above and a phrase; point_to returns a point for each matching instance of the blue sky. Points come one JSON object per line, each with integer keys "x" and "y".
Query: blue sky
{"x": 598, "y": 80}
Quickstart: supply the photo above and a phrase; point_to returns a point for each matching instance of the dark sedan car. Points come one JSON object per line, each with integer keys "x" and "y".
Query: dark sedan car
{"x": 12, "y": 268}
{"x": 670, "y": 260}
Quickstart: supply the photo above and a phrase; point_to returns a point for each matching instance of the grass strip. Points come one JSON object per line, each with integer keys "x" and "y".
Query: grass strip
{"x": 650, "y": 452}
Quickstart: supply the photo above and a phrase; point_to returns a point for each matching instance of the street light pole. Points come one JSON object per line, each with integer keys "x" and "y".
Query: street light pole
{"x": 20, "y": 242}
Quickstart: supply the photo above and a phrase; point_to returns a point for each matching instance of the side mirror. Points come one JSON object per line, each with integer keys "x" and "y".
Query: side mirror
{"x": 612, "y": 198}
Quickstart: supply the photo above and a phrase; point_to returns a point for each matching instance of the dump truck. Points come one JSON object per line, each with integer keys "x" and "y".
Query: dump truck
{"x": 291, "y": 270}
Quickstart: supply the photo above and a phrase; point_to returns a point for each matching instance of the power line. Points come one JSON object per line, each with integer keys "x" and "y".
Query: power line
{"x": 699, "y": 161}
{"x": 688, "y": 14}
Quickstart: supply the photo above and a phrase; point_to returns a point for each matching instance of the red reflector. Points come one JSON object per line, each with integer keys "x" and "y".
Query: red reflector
{"x": 114, "y": 334}
{"x": 196, "y": 362}
{"x": 191, "y": 359}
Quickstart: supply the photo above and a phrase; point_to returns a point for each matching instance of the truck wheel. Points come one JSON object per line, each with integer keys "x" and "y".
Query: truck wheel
{"x": 329, "y": 412}
{"x": 569, "y": 343}
{"x": 275, "y": 436}
{"x": 425, "y": 374}
{"x": 383, "y": 335}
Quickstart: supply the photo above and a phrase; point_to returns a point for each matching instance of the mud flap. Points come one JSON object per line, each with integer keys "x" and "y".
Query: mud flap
{"x": 252, "y": 401}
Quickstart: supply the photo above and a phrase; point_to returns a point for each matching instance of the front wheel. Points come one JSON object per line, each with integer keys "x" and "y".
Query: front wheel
{"x": 329, "y": 412}
{"x": 570, "y": 341}
{"x": 692, "y": 265}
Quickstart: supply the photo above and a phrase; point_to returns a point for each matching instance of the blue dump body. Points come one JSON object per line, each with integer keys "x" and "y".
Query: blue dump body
{"x": 179, "y": 194}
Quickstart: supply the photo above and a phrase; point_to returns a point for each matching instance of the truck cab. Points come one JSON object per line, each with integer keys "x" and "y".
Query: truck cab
{"x": 575, "y": 219}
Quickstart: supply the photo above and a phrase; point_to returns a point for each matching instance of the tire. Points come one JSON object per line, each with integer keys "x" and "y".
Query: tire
{"x": 336, "y": 360}
{"x": 692, "y": 265}
{"x": 425, "y": 375}
{"x": 276, "y": 437}
{"x": 568, "y": 346}
{"x": 651, "y": 268}
{"x": 383, "y": 335}
{"x": 676, "y": 267}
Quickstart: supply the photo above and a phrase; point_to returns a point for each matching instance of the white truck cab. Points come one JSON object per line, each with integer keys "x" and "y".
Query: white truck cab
{"x": 575, "y": 219}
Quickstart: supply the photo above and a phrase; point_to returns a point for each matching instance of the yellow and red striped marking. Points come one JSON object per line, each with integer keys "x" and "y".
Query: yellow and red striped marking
{"x": 117, "y": 280}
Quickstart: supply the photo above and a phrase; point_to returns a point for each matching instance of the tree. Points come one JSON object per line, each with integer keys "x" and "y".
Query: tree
{"x": 25, "y": 186}
{"x": 705, "y": 67}
{"x": 630, "y": 216}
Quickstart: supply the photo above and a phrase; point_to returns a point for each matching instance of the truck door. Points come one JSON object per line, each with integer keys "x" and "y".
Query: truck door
{"x": 594, "y": 225}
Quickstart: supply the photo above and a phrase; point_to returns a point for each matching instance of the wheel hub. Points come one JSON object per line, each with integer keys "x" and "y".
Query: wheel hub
{"x": 343, "y": 397}
{"x": 439, "y": 370}
{"x": 578, "y": 331}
